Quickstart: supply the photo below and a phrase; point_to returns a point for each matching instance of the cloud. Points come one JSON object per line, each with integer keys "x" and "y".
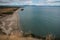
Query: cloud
{"x": 28, "y": 2}
{"x": 25, "y": 2}
{"x": 52, "y": 1}
{"x": 12, "y": 2}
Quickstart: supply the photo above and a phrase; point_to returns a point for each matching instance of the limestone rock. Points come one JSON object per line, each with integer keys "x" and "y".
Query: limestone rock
{"x": 8, "y": 22}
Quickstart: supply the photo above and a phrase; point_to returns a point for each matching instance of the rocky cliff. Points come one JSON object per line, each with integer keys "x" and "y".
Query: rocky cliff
{"x": 8, "y": 20}
{"x": 9, "y": 26}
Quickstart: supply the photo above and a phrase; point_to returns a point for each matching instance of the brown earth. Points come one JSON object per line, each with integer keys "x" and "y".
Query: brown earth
{"x": 4, "y": 10}
{"x": 16, "y": 36}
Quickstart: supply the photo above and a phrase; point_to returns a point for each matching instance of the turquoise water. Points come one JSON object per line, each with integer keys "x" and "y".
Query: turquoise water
{"x": 41, "y": 20}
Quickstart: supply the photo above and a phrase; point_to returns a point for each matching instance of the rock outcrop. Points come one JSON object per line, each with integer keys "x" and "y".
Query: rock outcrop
{"x": 9, "y": 25}
{"x": 8, "y": 20}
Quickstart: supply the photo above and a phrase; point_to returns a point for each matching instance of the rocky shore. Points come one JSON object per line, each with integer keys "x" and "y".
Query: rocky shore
{"x": 9, "y": 29}
{"x": 9, "y": 26}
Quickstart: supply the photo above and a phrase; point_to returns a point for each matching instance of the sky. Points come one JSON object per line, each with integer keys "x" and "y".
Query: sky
{"x": 29, "y": 2}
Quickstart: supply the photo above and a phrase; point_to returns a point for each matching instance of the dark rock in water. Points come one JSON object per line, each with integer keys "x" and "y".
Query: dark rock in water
{"x": 57, "y": 38}
{"x": 22, "y": 9}
{"x": 36, "y": 36}
{"x": 33, "y": 36}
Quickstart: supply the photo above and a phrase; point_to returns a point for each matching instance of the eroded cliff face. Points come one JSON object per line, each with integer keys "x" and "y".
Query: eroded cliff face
{"x": 9, "y": 25}
{"x": 8, "y": 20}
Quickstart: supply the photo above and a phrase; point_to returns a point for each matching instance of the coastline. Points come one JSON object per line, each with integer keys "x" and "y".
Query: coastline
{"x": 15, "y": 34}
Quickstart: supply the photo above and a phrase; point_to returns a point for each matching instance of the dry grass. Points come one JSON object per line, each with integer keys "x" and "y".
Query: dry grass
{"x": 16, "y": 36}
{"x": 7, "y": 10}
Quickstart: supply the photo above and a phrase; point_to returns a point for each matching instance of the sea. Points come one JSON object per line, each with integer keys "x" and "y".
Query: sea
{"x": 40, "y": 20}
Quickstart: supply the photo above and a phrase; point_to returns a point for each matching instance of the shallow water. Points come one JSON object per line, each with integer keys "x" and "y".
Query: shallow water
{"x": 41, "y": 20}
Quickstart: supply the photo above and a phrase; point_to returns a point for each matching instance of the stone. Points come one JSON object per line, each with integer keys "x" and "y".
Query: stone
{"x": 8, "y": 22}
